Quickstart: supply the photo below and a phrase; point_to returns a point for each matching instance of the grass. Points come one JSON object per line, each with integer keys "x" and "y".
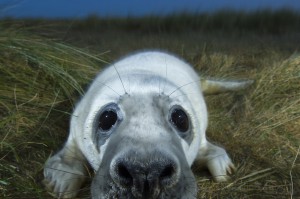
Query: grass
{"x": 39, "y": 82}
{"x": 42, "y": 78}
{"x": 260, "y": 128}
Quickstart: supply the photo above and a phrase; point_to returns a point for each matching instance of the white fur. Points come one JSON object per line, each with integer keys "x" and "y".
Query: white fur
{"x": 149, "y": 62}
{"x": 180, "y": 82}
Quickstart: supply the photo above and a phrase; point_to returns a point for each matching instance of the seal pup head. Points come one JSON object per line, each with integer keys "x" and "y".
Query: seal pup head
{"x": 140, "y": 126}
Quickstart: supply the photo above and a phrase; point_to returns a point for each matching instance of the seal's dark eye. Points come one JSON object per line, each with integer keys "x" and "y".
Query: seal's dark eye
{"x": 107, "y": 120}
{"x": 180, "y": 120}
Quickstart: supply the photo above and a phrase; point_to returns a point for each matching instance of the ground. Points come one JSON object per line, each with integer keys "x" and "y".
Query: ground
{"x": 46, "y": 66}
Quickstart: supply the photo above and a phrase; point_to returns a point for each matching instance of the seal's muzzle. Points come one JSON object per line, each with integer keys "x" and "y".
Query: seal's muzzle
{"x": 143, "y": 170}
{"x": 145, "y": 179}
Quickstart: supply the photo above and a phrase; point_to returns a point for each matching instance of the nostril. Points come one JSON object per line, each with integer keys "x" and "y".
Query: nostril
{"x": 123, "y": 171}
{"x": 123, "y": 174}
{"x": 168, "y": 176}
{"x": 167, "y": 172}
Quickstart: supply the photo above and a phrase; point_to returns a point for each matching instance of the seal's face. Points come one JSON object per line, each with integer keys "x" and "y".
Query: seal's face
{"x": 142, "y": 137}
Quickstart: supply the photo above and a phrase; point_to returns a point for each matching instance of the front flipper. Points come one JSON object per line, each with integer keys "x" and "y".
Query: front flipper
{"x": 217, "y": 161}
{"x": 65, "y": 172}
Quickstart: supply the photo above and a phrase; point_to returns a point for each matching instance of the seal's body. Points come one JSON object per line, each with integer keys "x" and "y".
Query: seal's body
{"x": 140, "y": 126}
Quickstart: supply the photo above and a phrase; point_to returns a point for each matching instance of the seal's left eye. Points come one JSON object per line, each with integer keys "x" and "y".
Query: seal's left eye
{"x": 107, "y": 120}
{"x": 180, "y": 120}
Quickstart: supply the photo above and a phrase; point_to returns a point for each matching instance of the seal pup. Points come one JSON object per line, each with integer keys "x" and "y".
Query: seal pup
{"x": 140, "y": 126}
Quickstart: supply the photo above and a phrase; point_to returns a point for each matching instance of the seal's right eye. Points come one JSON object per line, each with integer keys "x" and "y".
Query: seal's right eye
{"x": 107, "y": 120}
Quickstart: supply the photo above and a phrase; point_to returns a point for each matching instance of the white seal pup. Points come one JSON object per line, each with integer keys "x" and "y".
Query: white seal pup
{"x": 140, "y": 126}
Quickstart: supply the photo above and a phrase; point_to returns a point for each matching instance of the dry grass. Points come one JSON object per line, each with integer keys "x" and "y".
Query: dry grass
{"x": 42, "y": 79}
{"x": 260, "y": 128}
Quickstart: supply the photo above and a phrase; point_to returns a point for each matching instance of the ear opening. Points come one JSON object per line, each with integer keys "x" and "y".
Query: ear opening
{"x": 212, "y": 87}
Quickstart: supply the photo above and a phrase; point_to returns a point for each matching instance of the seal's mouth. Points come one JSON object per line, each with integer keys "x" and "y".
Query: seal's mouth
{"x": 134, "y": 175}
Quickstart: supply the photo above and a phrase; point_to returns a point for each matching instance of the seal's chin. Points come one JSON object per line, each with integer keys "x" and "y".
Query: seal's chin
{"x": 111, "y": 190}
{"x": 135, "y": 176}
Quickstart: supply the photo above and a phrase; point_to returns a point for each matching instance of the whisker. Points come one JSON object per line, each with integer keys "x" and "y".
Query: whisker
{"x": 120, "y": 78}
{"x": 113, "y": 89}
{"x": 190, "y": 186}
{"x": 165, "y": 74}
{"x": 50, "y": 168}
{"x": 186, "y": 94}
{"x": 216, "y": 157}
{"x": 62, "y": 193}
{"x": 101, "y": 83}
{"x": 183, "y": 86}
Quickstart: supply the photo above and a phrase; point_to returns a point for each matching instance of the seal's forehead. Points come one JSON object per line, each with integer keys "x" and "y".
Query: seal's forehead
{"x": 141, "y": 92}
{"x": 150, "y": 102}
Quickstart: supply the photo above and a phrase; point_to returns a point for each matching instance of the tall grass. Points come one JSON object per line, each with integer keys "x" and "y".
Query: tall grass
{"x": 40, "y": 80}
{"x": 260, "y": 127}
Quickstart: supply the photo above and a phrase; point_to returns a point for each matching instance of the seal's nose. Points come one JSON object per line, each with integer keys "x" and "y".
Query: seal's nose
{"x": 145, "y": 179}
